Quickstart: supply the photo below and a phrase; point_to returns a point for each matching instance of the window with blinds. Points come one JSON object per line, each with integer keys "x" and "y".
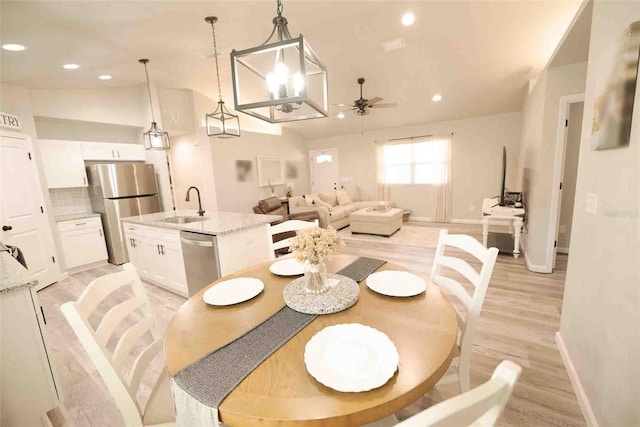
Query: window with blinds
{"x": 423, "y": 162}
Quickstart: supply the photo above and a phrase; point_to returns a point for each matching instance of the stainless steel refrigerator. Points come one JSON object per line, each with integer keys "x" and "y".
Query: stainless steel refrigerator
{"x": 119, "y": 190}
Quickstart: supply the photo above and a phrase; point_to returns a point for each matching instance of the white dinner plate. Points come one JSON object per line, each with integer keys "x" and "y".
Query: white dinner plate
{"x": 233, "y": 291}
{"x": 396, "y": 283}
{"x": 351, "y": 357}
{"x": 287, "y": 267}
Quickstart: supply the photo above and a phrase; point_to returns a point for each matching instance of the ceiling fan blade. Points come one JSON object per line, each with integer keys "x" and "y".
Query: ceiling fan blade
{"x": 387, "y": 105}
{"x": 343, "y": 105}
{"x": 374, "y": 100}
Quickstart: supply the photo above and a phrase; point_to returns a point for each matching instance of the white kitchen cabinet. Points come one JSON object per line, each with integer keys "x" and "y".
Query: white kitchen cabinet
{"x": 157, "y": 255}
{"x": 28, "y": 386}
{"x": 113, "y": 151}
{"x": 82, "y": 242}
{"x": 63, "y": 163}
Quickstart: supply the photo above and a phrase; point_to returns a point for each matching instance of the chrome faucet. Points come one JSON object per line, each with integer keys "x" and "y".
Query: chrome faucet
{"x": 200, "y": 210}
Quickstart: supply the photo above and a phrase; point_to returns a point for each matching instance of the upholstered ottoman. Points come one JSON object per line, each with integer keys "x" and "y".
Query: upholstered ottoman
{"x": 382, "y": 223}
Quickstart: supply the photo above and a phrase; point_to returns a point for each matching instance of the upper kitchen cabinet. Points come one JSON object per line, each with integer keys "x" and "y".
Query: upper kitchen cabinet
{"x": 113, "y": 151}
{"x": 63, "y": 163}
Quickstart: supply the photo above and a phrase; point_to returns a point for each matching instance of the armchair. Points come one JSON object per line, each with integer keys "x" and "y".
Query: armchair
{"x": 273, "y": 206}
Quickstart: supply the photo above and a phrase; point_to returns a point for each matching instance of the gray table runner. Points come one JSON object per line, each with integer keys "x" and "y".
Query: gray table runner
{"x": 199, "y": 388}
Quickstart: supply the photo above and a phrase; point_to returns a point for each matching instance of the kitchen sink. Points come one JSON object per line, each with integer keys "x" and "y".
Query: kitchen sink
{"x": 184, "y": 219}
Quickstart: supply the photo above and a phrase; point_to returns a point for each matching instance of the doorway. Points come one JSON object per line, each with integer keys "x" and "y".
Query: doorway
{"x": 566, "y": 172}
{"x": 324, "y": 168}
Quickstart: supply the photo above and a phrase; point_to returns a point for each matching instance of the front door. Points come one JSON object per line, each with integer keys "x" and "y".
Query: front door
{"x": 325, "y": 170}
{"x": 22, "y": 219}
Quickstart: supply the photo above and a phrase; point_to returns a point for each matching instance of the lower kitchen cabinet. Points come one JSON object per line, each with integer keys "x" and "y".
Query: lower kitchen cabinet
{"x": 157, "y": 255}
{"x": 82, "y": 242}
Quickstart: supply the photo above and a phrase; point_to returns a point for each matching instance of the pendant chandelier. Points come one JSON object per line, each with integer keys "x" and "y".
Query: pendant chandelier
{"x": 154, "y": 138}
{"x": 221, "y": 123}
{"x": 282, "y": 80}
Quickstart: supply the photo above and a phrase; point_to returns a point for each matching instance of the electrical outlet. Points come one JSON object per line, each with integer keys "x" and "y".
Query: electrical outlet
{"x": 591, "y": 205}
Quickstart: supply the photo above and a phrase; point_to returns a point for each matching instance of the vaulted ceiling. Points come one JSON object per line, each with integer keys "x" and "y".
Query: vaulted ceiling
{"x": 478, "y": 54}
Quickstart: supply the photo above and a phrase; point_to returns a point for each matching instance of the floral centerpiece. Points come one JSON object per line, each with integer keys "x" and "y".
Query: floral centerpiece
{"x": 314, "y": 246}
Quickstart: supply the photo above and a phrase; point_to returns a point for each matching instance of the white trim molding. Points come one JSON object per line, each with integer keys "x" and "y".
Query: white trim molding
{"x": 583, "y": 400}
{"x": 536, "y": 268}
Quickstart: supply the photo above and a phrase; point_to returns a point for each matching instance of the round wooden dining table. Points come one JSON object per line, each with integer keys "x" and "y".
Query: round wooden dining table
{"x": 280, "y": 391}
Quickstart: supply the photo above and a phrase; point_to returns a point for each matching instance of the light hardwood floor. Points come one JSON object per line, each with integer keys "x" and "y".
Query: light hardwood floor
{"x": 520, "y": 316}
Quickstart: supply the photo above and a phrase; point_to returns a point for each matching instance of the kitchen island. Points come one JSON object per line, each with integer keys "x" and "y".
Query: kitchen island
{"x": 183, "y": 252}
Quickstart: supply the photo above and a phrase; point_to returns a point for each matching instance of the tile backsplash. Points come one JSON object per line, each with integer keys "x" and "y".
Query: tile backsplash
{"x": 65, "y": 201}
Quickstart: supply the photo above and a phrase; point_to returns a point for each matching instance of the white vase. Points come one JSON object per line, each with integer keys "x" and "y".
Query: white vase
{"x": 315, "y": 276}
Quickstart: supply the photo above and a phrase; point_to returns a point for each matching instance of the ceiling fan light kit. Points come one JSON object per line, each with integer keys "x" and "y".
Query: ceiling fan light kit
{"x": 154, "y": 138}
{"x": 221, "y": 123}
{"x": 282, "y": 80}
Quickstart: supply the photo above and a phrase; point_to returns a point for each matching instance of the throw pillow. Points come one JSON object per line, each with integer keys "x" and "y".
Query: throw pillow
{"x": 329, "y": 197}
{"x": 343, "y": 198}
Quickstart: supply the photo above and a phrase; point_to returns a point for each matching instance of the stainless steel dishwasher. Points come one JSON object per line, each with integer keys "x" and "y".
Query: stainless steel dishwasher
{"x": 201, "y": 261}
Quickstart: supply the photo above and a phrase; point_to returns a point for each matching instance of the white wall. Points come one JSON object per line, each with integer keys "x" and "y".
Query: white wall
{"x": 601, "y": 307}
{"x": 124, "y": 106}
{"x": 476, "y": 161}
{"x": 209, "y": 163}
{"x": 540, "y": 125}
{"x": 15, "y": 99}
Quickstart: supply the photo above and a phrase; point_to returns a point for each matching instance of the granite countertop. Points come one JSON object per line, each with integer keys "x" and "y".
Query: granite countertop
{"x": 13, "y": 275}
{"x": 73, "y": 217}
{"x": 216, "y": 223}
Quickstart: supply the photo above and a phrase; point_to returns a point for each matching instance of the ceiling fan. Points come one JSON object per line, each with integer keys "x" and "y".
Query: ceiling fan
{"x": 362, "y": 105}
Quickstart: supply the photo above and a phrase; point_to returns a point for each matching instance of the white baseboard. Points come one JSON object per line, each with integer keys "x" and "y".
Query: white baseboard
{"x": 420, "y": 218}
{"x": 534, "y": 267}
{"x": 466, "y": 221}
{"x": 562, "y": 250}
{"x": 583, "y": 400}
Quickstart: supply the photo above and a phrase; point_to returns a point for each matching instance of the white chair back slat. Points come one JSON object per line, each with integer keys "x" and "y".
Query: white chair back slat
{"x": 481, "y": 406}
{"x": 467, "y": 244}
{"x": 114, "y": 317}
{"x": 283, "y": 227}
{"x": 110, "y": 365}
{"x": 454, "y": 287}
{"x": 141, "y": 364}
{"x": 473, "y": 302}
{"x": 461, "y": 266}
{"x": 121, "y": 394}
{"x": 128, "y": 340}
{"x": 100, "y": 289}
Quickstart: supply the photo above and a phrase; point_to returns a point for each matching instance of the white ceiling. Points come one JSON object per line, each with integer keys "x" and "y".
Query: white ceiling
{"x": 478, "y": 54}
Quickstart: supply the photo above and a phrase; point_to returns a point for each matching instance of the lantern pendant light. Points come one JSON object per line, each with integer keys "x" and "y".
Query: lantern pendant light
{"x": 154, "y": 138}
{"x": 221, "y": 123}
{"x": 282, "y": 80}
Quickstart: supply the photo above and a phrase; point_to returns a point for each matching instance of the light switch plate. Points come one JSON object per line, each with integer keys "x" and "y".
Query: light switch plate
{"x": 591, "y": 205}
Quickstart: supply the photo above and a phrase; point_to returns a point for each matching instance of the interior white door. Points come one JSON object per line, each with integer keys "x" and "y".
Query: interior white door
{"x": 325, "y": 170}
{"x": 22, "y": 219}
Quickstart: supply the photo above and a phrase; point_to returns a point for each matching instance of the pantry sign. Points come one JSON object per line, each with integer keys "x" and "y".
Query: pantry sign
{"x": 10, "y": 121}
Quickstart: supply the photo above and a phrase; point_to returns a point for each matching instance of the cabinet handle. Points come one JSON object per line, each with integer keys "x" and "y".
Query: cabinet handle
{"x": 80, "y": 223}
{"x": 158, "y": 246}
{"x": 100, "y": 231}
{"x": 118, "y": 151}
{"x": 43, "y": 318}
{"x": 161, "y": 249}
{"x": 135, "y": 245}
{"x": 84, "y": 179}
{"x": 113, "y": 154}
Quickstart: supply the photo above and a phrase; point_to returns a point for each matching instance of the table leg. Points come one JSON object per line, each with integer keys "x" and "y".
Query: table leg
{"x": 485, "y": 230}
{"x": 517, "y": 224}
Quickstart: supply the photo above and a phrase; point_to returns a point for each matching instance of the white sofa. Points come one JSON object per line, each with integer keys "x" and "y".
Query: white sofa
{"x": 334, "y": 207}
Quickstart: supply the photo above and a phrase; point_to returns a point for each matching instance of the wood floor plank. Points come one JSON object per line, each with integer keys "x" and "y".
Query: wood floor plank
{"x": 518, "y": 322}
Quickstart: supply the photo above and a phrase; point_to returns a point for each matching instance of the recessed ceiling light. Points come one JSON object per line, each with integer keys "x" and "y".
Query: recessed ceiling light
{"x": 13, "y": 47}
{"x": 394, "y": 44}
{"x": 70, "y": 66}
{"x": 408, "y": 19}
{"x": 436, "y": 98}
{"x": 104, "y": 77}
{"x": 340, "y": 115}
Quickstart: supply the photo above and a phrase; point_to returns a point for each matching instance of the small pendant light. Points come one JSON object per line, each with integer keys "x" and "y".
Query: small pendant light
{"x": 221, "y": 123}
{"x": 154, "y": 138}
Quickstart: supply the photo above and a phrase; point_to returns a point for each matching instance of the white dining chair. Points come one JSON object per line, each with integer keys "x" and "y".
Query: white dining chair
{"x": 481, "y": 406}
{"x": 284, "y": 227}
{"x": 472, "y": 302}
{"x": 111, "y": 366}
